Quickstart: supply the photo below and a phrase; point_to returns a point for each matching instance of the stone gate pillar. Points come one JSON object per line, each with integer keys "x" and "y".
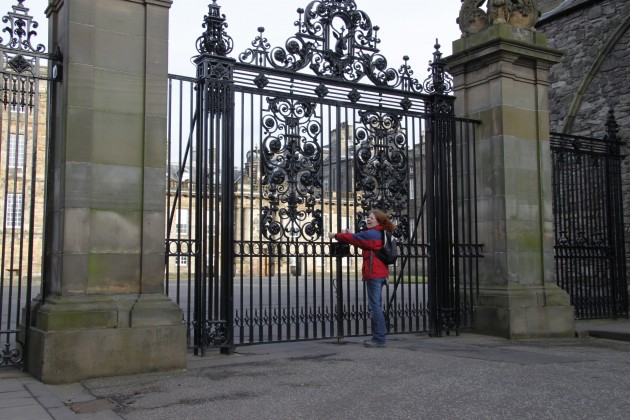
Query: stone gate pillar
{"x": 102, "y": 310}
{"x": 501, "y": 78}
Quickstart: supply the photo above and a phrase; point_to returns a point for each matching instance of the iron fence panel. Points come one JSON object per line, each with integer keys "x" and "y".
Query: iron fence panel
{"x": 588, "y": 221}
{"x": 277, "y": 148}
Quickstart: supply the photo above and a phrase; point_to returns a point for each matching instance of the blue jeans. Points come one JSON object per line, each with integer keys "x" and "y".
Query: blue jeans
{"x": 375, "y": 307}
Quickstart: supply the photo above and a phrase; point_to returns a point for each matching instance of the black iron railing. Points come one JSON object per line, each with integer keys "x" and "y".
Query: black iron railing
{"x": 588, "y": 221}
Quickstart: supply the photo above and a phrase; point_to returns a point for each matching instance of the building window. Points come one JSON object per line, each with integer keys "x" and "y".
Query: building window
{"x": 181, "y": 261}
{"x": 13, "y": 214}
{"x": 182, "y": 224}
{"x": 17, "y": 144}
{"x": 18, "y": 108}
{"x": 182, "y": 229}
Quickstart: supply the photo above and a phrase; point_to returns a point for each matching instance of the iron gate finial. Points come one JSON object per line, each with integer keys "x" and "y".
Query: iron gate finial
{"x": 439, "y": 81}
{"x": 612, "y": 128}
{"x": 214, "y": 40}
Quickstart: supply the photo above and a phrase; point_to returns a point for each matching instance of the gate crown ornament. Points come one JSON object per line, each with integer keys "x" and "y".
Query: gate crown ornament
{"x": 337, "y": 40}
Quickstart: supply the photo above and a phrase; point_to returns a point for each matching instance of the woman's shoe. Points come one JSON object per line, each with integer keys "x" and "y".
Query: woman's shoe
{"x": 372, "y": 343}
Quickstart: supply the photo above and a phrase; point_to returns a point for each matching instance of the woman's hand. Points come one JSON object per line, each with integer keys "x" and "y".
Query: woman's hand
{"x": 331, "y": 235}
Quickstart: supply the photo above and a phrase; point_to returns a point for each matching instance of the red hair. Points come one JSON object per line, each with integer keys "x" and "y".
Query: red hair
{"x": 383, "y": 220}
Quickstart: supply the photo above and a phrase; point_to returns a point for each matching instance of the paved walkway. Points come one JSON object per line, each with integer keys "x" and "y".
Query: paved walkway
{"x": 415, "y": 377}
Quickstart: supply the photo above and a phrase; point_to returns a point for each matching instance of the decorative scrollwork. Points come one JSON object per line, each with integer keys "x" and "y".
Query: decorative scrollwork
{"x": 258, "y": 54}
{"x": 381, "y": 163}
{"x": 12, "y": 356}
{"x": 335, "y": 40}
{"x": 441, "y": 105}
{"x": 20, "y": 69}
{"x": 181, "y": 247}
{"x": 447, "y": 321}
{"x": 217, "y": 333}
{"x": 287, "y": 316}
{"x": 404, "y": 311}
{"x": 292, "y": 164}
{"x": 214, "y": 40}
{"x": 20, "y": 64}
{"x": 562, "y": 239}
{"x": 21, "y": 29}
{"x": 407, "y": 82}
{"x": 216, "y": 70}
{"x": 17, "y": 91}
{"x": 581, "y": 240}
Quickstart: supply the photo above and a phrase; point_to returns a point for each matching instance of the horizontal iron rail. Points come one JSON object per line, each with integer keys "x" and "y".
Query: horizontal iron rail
{"x": 317, "y": 80}
{"x": 584, "y": 145}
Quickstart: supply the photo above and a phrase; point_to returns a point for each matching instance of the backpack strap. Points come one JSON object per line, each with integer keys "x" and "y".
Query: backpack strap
{"x": 373, "y": 254}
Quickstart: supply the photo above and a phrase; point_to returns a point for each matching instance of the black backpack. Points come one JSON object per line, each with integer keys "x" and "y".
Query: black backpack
{"x": 389, "y": 253}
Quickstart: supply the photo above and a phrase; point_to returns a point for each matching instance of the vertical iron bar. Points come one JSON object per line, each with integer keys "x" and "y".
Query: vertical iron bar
{"x": 193, "y": 244}
{"x": 31, "y": 223}
{"x": 332, "y": 293}
{"x": 431, "y": 225}
{"x": 227, "y": 192}
{"x": 337, "y": 189}
{"x": 265, "y": 256}
{"x": 198, "y": 181}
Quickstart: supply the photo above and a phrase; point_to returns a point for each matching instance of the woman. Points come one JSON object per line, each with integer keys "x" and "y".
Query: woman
{"x": 374, "y": 272}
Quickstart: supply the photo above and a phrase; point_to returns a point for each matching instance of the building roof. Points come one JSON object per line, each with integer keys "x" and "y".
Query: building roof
{"x": 565, "y": 7}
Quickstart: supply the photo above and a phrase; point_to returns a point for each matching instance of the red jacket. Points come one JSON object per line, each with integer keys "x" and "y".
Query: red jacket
{"x": 368, "y": 240}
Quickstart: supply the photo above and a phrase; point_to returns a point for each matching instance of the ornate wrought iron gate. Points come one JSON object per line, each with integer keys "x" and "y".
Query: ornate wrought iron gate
{"x": 588, "y": 220}
{"x": 276, "y": 157}
{"x": 25, "y": 73}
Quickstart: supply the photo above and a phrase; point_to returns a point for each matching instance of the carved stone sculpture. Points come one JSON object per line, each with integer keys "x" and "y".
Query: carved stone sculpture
{"x": 471, "y": 18}
{"x": 524, "y": 14}
{"x": 498, "y": 11}
{"x": 519, "y": 13}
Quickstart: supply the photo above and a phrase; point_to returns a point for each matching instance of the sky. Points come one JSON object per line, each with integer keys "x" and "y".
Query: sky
{"x": 407, "y": 27}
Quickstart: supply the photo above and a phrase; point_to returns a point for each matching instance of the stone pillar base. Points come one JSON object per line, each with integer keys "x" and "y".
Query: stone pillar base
{"x": 76, "y": 338}
{"x": 524, "y": 312}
